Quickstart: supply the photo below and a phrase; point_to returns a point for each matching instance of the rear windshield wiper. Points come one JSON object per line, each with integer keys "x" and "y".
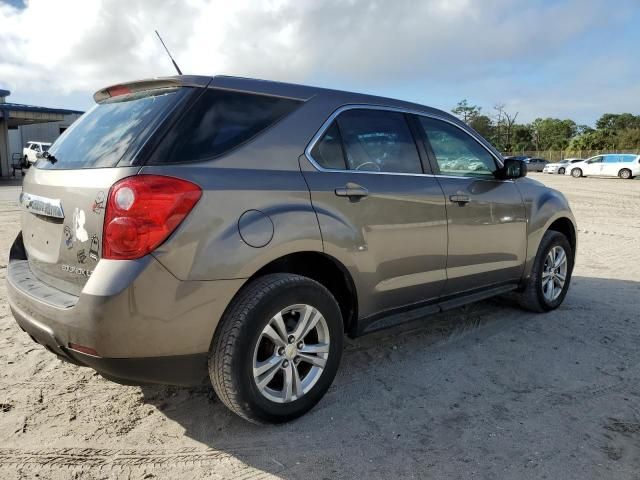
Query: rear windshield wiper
{"x": 48, "y": 156}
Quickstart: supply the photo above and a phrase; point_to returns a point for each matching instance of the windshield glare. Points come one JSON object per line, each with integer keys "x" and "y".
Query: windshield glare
{"x": 111, "y": 132}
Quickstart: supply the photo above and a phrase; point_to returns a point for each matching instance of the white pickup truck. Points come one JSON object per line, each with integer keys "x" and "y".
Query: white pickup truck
{"x": 31, "y": 150}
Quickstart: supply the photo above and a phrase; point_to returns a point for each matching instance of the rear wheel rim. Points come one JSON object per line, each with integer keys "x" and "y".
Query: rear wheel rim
{"x": 291, "y": 353}
{"x": 554, "y": 273}
{"x": 625, "y": 174}
{"x": 576, "y": 173}
{"x": 561, "y": 171}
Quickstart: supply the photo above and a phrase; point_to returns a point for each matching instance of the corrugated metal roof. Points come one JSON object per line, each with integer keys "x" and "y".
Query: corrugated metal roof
{"x": 19, "y": 107}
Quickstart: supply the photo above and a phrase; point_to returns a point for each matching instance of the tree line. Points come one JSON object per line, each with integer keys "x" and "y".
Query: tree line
{"x": 612, "y": 131}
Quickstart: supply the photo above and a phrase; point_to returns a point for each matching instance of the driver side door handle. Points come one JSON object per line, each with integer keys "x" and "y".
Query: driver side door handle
{"x": 460, "y": 199}
{"x": 353, "y": 191}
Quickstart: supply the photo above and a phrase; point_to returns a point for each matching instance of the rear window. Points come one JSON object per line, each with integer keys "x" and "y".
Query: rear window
{"x": 112, "y": 132}
{"x": 218, "y": 122}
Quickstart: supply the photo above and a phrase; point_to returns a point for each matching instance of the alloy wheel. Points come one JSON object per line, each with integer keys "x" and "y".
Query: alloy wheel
{"x": 554, "y": 273}
{"x": 291, "y": 353}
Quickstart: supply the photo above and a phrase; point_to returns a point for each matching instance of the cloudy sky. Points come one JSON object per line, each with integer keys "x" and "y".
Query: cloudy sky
{"x": 564, "y": 58}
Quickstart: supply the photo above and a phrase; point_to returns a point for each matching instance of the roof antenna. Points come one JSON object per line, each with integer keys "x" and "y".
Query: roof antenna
{"x": 169, "y": 53}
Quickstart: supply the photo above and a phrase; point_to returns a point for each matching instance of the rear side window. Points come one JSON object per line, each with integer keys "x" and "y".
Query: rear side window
{"x": 378, "y": 141}
{"x": 328, "y": 151}
{"x": 112, "y": 131}
{"x": 218, "y": 122}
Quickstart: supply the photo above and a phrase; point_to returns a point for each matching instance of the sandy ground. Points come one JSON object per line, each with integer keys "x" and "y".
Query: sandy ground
{"x": 486, "y": 391}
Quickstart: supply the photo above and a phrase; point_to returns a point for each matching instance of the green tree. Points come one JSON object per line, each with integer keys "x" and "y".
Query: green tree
{"x": 593, "y": 140}
{"x": 465, "y": 111}
{"x": 615, "y": 121}
{"x": 522, "y": 138}
{"x": 628, "y": 139}
{"x": 483, "y": 125}
{"x": 552, "y": 133}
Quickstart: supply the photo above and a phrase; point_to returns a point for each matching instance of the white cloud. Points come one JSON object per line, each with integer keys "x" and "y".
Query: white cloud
{"x": 78, "y": 46}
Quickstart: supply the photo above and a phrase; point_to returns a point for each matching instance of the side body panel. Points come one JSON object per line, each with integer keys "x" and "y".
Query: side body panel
{"x": 209, "y": 245}
{"x": 487, "y": 236}
{"x": 262, "y": 176}
{"x": 543, "y": 206}
{"x": 393, "y": 241}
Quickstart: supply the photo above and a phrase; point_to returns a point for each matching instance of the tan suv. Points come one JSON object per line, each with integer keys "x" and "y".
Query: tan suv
{"x": 194, "y": 229}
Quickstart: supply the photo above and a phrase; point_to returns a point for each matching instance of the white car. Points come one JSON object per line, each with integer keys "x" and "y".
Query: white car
{"x": 623, "y": 165}
{"x": 561, "y": 166}
{"x": 32, "y": 149}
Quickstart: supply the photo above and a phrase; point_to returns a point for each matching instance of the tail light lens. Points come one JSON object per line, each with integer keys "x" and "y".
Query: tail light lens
{"x": 142, "y": 211}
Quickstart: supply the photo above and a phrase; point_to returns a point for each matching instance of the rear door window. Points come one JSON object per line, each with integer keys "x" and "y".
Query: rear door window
{"x": 112, "y": 132}
{"x": 378, "y": 141}
{"x": 219, "y": 121}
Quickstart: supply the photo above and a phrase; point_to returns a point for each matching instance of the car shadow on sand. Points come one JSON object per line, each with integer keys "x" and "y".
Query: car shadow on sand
{"x": 476, "y": 389}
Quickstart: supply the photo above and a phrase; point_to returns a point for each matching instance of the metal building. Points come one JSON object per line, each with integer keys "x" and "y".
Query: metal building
{"x": 20, "y": 124}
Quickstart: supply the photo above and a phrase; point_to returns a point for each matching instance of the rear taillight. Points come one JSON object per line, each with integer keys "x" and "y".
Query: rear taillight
{"x": 141, "y": 213}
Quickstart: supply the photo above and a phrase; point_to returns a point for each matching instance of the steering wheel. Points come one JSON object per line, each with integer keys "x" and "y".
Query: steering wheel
{"x": 377, "y": 167}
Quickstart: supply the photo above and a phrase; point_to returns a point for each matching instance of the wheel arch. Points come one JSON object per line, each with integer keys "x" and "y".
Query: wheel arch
{"x": 627, "y": 169}
{"x": 565, "y": 226}
{"x": 326, "y": 270}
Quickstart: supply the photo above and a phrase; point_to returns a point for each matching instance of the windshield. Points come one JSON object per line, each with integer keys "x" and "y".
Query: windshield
{"x": 112, "y": 132}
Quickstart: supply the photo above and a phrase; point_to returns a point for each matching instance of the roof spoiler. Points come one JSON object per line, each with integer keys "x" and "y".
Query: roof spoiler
{"x": 150, "y": 84}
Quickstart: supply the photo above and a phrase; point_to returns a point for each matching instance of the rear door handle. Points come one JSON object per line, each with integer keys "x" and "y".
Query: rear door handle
{"x": 460, "y": 199}
{"x": 353, "y": 191}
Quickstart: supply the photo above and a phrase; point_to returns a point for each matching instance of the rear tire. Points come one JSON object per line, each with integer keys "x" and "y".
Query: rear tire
{"x": 625, "y": 174}
{"x": 538, "y": 295}
{"x": 576, "y": 173}
{"x": 561, "y": 171}
{"x": 253, "y": 357}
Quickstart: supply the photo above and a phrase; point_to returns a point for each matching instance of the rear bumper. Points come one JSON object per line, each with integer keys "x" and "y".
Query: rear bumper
{"x": 145, "y": 325}
{"x": 185, "y": 370}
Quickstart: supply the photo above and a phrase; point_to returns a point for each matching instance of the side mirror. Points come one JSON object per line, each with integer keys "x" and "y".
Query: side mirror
{"x": 512, "y": 169}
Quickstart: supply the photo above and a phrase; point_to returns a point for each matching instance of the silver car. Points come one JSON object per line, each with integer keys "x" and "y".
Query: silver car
{"x": 227, "y": 230}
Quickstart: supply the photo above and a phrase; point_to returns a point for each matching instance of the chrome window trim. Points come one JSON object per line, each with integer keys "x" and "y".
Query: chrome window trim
{"x": 327, "y": 123}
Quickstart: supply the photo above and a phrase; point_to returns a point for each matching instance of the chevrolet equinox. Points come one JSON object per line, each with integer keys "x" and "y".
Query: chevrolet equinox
{"x": 192, "y": 229}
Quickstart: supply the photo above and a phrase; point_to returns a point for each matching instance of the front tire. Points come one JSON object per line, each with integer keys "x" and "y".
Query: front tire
{"x": 277, "y": 348}
{"x": 576, "y": 173}
{"x": 551, "y": 274}
{"x": 625, "y": 174}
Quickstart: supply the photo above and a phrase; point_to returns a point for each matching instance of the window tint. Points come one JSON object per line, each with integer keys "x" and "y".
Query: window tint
{"x": 111, "y": 131}
{"x": 456, "y": 152}
{"x": 220, "y": 121}
{"x": 619, "y": 158}
{"x": 328, "y": 151}
{"x": 595, "y": 160}
{"x": 378, "y": 141}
